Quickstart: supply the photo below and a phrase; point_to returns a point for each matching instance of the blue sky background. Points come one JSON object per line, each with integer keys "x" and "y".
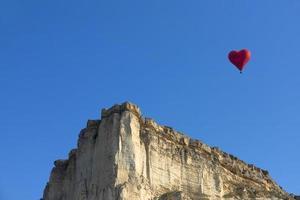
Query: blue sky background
{"x": 62, "y": 61}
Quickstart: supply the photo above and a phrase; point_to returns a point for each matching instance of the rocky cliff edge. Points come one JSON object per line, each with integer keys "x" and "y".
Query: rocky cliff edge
{"x": 124, "y": 156}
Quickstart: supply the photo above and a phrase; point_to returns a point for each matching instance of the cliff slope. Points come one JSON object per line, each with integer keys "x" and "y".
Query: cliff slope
{"x": 124, "y": 156}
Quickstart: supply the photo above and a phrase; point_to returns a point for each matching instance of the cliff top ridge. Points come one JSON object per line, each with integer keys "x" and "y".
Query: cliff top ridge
{"x": 123, "y": 124}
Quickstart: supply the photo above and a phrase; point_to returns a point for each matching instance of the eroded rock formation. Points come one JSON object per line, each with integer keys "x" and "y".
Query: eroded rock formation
{"x": 124, "y": 156}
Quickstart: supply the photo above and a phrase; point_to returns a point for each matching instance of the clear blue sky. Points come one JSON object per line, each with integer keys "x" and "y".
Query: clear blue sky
{"x": 62, "y": 61}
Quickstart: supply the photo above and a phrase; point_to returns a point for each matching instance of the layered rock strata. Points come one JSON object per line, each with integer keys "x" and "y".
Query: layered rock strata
{"x": 124, "y": 156}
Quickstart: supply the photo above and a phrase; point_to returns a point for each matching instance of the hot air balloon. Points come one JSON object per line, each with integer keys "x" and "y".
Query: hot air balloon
{"x": 239, "y": 58}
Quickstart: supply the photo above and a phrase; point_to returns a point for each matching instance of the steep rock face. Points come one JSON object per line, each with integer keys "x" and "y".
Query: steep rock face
{"x": 124, "y": 156}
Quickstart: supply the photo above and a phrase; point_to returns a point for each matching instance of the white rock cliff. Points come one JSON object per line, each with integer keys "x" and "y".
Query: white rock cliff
{"x": 124, "y": 156}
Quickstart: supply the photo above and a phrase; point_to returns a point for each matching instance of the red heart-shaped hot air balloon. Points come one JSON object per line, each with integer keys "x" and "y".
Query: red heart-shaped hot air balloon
{"x": 239, "y": 58}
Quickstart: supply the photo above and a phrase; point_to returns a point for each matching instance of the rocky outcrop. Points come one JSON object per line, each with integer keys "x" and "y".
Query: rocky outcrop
{"x": 124, "y": 156}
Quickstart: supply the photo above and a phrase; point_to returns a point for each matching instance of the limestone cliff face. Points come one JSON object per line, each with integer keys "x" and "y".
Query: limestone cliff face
{"x": 124, "y": 156}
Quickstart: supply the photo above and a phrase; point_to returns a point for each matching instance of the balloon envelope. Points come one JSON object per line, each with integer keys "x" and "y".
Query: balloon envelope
{"x": 239, "y": 58}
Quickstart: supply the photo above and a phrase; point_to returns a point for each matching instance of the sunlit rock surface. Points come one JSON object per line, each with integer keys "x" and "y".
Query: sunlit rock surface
{"x": 124, "y": 156}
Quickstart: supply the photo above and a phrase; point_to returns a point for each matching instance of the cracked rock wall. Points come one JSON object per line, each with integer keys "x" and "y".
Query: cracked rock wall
{"x": 124, "y": 156}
